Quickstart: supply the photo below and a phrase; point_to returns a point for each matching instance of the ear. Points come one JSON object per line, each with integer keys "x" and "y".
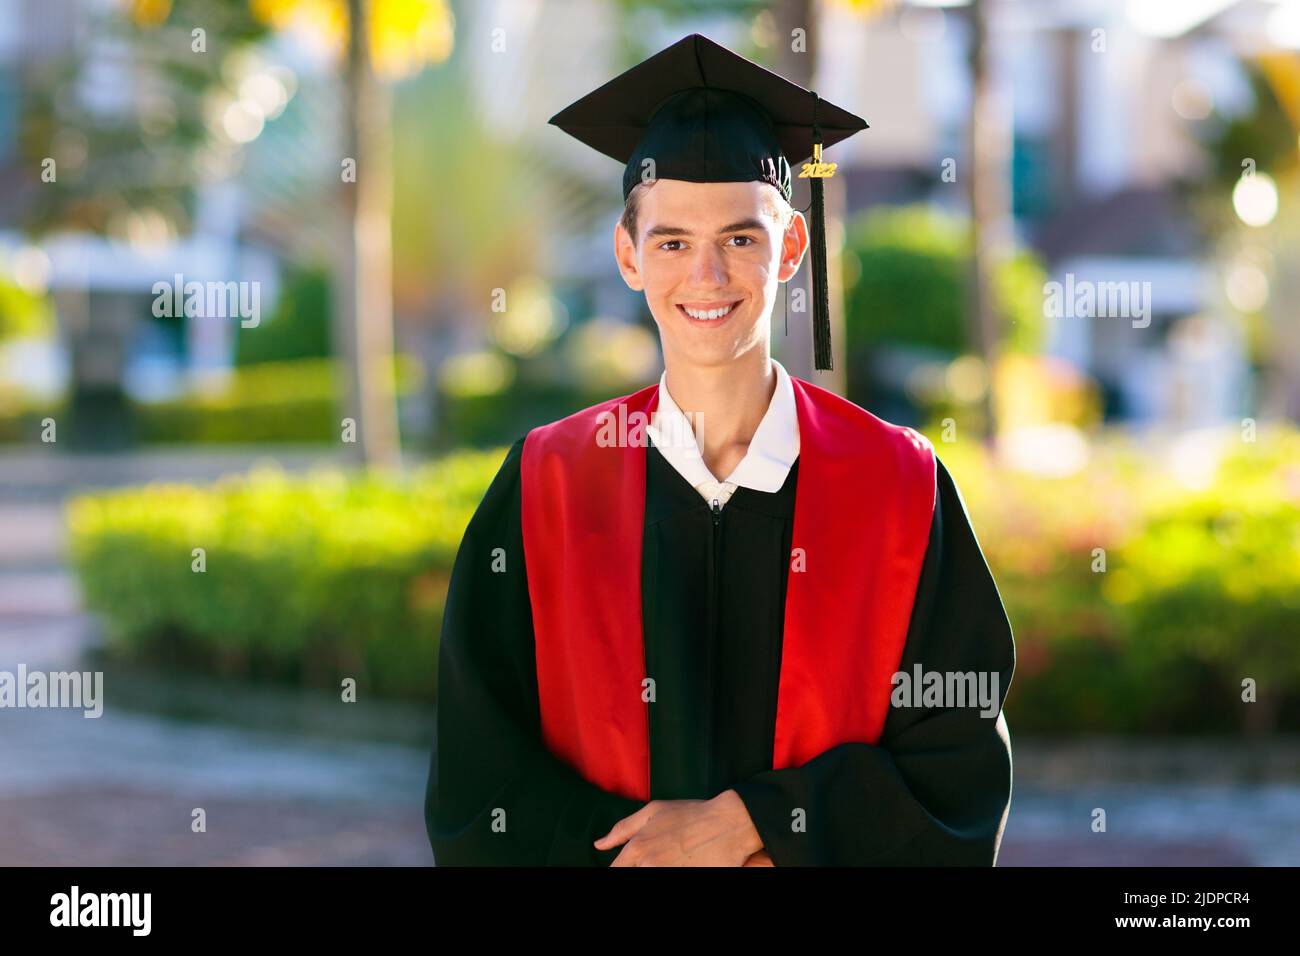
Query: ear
{"x": 625, "y": 255}
{"x": 793, "y": 246}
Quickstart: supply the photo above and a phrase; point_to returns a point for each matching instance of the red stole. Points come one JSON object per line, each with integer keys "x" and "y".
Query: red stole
{"x": 864, "y": 500}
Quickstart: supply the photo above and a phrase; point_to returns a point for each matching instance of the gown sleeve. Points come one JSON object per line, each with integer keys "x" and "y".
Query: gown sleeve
{"x": 936, "y": 788}
{"x": 496, "y": 795}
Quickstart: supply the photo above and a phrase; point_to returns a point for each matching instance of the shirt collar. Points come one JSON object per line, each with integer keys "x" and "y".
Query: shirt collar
{"x": 771, "y": 453}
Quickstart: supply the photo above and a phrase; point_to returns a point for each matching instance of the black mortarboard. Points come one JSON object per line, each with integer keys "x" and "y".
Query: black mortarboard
{"x": 698, "y": 112}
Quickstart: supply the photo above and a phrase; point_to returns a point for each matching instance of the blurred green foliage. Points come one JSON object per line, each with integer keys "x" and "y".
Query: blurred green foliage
{"x": 1199, "y": 589}
{"x": 504, "y": 417}
{"x": 490, "y": 397}
{"x": 906, "y": 271}
{"x": 1260, "y": 138}
{"x": 21, "y": 415}
{"x": 1214, "y": 579}
{"x": 153, "y": 156}
{"x": 267, "y": 402}
{"x": 322, "y": 577}
{"x": 22, "y": 313}
{"x": 311, "y": 580}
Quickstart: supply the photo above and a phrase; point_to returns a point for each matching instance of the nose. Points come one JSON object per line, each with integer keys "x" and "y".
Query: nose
{"x": 708, "y": 267}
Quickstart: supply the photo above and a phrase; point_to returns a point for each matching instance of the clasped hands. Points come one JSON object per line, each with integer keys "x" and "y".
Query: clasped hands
{"x": 715, "y": 832}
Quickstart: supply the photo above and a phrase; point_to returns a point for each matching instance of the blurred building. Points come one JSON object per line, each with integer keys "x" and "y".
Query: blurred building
{"x": 1104, "y": 97}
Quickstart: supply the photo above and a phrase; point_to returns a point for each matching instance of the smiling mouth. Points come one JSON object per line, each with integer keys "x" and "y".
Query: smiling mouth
{"x": 709, "y": 315}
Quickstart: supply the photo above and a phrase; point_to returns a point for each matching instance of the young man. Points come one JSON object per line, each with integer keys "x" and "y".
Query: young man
{"x": 679, "y": 623}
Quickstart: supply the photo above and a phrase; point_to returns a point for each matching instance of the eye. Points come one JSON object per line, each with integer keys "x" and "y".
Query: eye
{"x": 748, "y": 240}
{"x": 664, "y": 245}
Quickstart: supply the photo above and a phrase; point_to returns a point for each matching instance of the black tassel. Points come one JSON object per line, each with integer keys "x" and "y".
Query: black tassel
{"x": 821, "y": 298}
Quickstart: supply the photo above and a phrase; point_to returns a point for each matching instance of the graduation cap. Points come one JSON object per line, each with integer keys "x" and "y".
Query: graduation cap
{"x": 698, "y": 112}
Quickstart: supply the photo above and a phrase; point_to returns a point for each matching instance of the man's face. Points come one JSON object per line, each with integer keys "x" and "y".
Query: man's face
{"x": 710, "y": 257}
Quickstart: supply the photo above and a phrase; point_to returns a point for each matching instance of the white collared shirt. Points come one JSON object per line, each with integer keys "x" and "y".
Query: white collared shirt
{"x": 767, "y": 461}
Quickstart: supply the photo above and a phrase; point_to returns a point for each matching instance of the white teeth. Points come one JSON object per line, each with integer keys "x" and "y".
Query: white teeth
{"x": 710, "y": 314}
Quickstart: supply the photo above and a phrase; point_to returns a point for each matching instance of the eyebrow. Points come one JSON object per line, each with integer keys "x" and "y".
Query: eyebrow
{"x": 742, "y": 225}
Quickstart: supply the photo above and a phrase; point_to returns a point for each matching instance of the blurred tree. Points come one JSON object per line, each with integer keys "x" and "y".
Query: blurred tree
{"x": 1261, "y": 139}
{"x": 131, "y": 170}
{"x": 127, "y": 160}
{"x": 379, "y": 40}
{"x": 124, "y": 158}
{"x": 988, "y": 182}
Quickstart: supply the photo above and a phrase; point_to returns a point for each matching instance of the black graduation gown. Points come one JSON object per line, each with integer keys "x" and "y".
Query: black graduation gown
{"x": 934, "y": 790}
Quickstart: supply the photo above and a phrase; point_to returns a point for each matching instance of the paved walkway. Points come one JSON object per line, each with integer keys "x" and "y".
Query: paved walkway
{"x": 1153, "y": 825}
{"x": 121, "y": 788}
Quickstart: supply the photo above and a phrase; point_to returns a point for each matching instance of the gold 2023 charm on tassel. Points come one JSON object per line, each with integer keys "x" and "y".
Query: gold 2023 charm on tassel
{"x": 817, "y": 169}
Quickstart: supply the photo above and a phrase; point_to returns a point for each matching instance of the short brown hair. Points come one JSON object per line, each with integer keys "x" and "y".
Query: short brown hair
{"x": 784, "y": 211}
{"x": 631, "y": 206}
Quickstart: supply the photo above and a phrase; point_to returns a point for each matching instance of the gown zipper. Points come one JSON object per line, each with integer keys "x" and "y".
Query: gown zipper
{"x": 715, "y": 536}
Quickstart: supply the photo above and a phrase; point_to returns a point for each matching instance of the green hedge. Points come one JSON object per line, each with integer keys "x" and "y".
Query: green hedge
{"x": 322, "y": 577}
{"x": 1201, "y": 587}
{"x": 307, "y": 579}
{"x": 291, "y": 401}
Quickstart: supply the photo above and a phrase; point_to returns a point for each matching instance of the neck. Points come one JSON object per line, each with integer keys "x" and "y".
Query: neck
{"x": 725, "y": 404}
